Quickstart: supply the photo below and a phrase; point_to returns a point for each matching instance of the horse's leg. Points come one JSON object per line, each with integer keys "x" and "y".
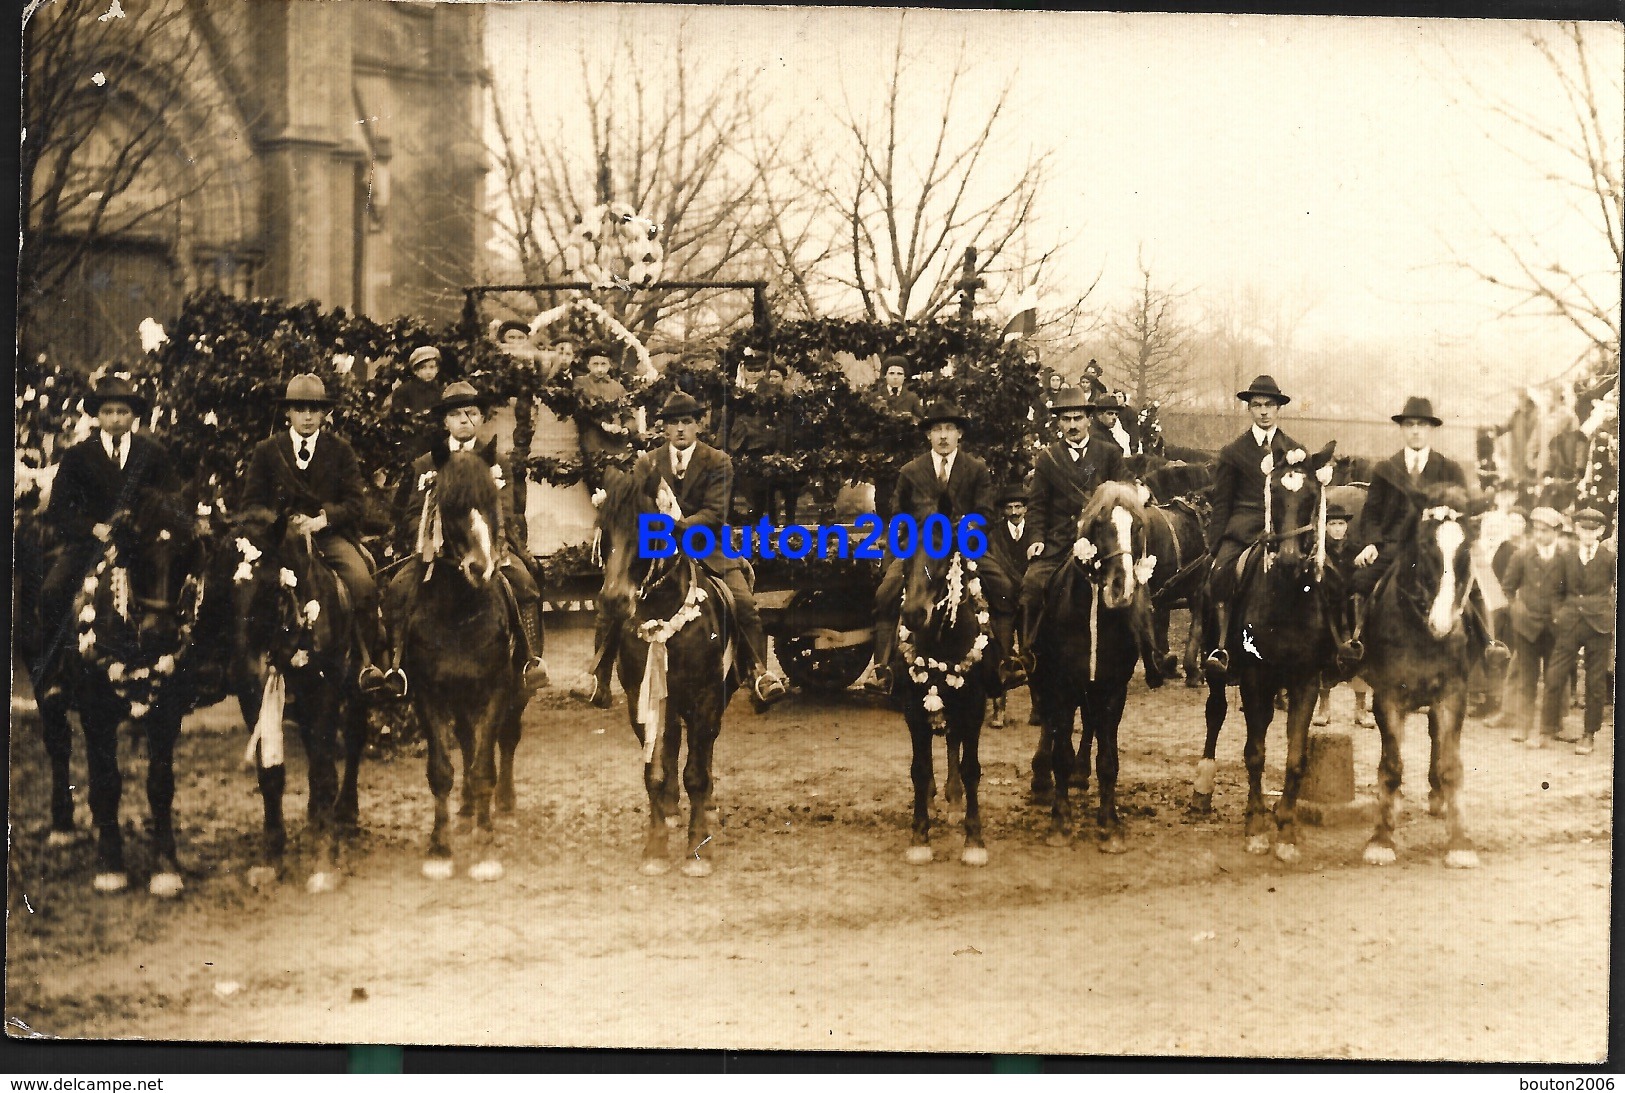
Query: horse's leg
{"x": 1258, "y": 707}
{"x": 485, "y": 721}
{"x": 1058, "y": 716}
{"x": 1390, "y": 714}
{"x": 437, "y": 728}
{"x": 1444, "y": 722}
{"x": 508, "y": 733}
{"x": 163, "y": 730}
{"x": 703, "y": 727}
{"x": 920, "y": 773}
{"x": 1436, "y": 805}
{"x": 106, "y": 786}
{"x": 1160, "y": 616}
{"x": 465, "y": 748}
{"x": 970, "y": 768}
{"x": 671, "y": 801}
{"x": 1301, "y": 698}
{"x": 58, "y": 733}
{"x": 955, "y": 795}
{"x": 320, "y": 731}
{"x": 1218, "y": 704}
{"x": 1043, "y": 764}
{"x": 348, "y": 812}
{"x": 1107, "y": 702}
{"x": 660, "y": 781}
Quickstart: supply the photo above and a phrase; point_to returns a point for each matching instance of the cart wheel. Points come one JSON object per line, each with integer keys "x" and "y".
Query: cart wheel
{"x": 822, "y": 669}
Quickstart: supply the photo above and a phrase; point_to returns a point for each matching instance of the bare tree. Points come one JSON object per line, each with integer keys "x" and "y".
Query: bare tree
{"x": 1580, "y": 159}
{"x": 1151, "y": 339}
{"x": 109, "y": 111}
{"x": 1249, "y": 329}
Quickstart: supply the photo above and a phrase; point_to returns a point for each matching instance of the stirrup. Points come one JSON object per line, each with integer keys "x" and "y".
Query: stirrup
{"x": 395, "y": 681}
{"x": 372, "y": 682}
{"x": 880, "y": 683}
{"x": 1218, "y": 660}
{"x": 767, "y": 689}
{"x": 535, "y": 674}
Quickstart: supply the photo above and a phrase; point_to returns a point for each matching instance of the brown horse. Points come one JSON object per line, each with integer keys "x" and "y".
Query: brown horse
{"x": 671, "y": 638}
{"x": 1418, "y": 654}
{"x": 461, "y": 651}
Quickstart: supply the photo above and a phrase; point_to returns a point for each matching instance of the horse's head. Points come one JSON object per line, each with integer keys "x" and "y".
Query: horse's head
{"x": 163, "y": 534}
{"x": 1296, "y": 481}
{"x": 1443, "y": 557}
{"x": 1113, "y": 526}
{"x": 467, "y": 496}
{"x": 627, "y": 495}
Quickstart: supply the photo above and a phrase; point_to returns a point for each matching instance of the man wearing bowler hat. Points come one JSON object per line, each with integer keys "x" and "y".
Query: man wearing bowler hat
{"x": 1399, "y": 486}
{"x": 695, "y": 484}
{"x": 944, "y": 480}
{"x": 99, "y": 483}
{"x": 1238, "y": 499}
{"x": 1585, "y": 621}
{"x": 310, "y": 475}
{"x": 462, "y": 409}
{"x": 1065, "y": 476}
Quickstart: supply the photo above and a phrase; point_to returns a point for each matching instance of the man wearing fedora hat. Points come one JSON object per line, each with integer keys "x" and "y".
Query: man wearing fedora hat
{"x": 1238, "y": 499}
{"x": 1585, "y": 621}
{"x": 1110, "y": 410}
{"x": 310, "y": 475}
{"x": 1399, "y": 485}
{"x": 894, "y": 394}
{"x": 696, "y": 480}
{"x": 1008, "y": 542}
{"x": 1065, "y": 475}
{"x": 462, "y": 410}
{"x": 1539, "y": 580}
{"x": 944, "y": 480}
{"x": 99, "y": 482}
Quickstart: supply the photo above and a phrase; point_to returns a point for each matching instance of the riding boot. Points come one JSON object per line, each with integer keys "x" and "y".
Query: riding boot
{"x": 1026, "y": 641}
{"x": 1352, "y": 649}
{"x": 881, "y": 681}
{"x": 372, "y": 680}
{"x": 607, "y": 639}
{"x": 1218, "y": 660}
{"x": 535, "y": 672}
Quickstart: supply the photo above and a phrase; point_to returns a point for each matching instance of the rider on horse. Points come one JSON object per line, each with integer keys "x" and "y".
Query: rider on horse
{"x": 1065, "y": 476}
{"x": 311, "y": 476}
{"x": 100, "y": 481}
{"x": 696, "y": 481}
{"x": 462, "y": 409}
{"x": 1238, "y": 499}
{"x": 944, "y": 480}
{"x": 1398, "y": 486}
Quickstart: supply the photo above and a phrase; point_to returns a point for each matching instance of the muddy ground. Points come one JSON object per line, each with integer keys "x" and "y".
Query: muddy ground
{"x": 814, "y": 933}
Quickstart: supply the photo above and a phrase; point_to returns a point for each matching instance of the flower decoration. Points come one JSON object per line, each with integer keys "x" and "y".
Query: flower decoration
{"x": 1292, "y": 481}
{"x": 1323, "y": 474}
{"x": 1296, "y": 456}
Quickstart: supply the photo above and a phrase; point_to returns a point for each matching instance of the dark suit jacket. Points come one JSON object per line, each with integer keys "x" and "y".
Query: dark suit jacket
{"x": 1538, "y": 589}
{"x": 1238, "y": 488}
{"x": 702, "y": 494}
{"x": 331, "y": 484}
{"x": 1011, "y": 553}
{"x": 1062, "y": 486}
{"x": 1591, "y": 596}
{"x": 409, "y": 502}
{"x": 90, "y": 487}
{"x": 970, "y": 489}
{"x": 904, "y": 402}
{"x": 1394, "y": 498}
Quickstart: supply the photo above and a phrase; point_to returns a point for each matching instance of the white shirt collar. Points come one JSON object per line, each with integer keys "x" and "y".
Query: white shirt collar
{"x": 945, "y": 463}
{"x": 462, "y": 445}
{"x": 1417, "y": 459}
{"x": 1016, "y": 527}
{"x": 1547, "y": 553}
{"x": 1262, "y": 436}
{"x": 117, "y": 450}
{"x": 680, "y": 458}
{"x": 1587, "y": 553}
{"x": 299, "y": 441}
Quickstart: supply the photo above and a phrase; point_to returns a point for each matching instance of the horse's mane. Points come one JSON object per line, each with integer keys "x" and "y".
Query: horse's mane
{"x": 1109, "y": 495}
{"x": 622, "y": 498}
{"x": 1447, "y": 494}
{"x": 464, "y": 483}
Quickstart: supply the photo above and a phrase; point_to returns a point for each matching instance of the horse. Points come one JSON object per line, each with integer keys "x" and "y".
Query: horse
{"x": 122, "y": 655}
{"x": 944, "y": 629}
{"x": 1282, "y": 620}
{"x": 1418, "y": 654}
{"x": 1089, "y": 640}
{"x": 461, "y": 652}
{"x": 672, "y": 641}
{"x": 1175, "y": 538}
{"x": 293, "y": 653}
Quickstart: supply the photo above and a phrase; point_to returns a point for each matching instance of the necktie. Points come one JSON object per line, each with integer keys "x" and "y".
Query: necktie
{"x": 942, "y": 472}
{"x": 304, "y": 451}
{"x": 682, "y": 465}
{"x": 1077, "y": 451}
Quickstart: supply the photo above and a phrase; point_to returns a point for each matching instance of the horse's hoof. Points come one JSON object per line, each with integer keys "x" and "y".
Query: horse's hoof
{"x": 1258, "y": 844}
{"x": 1461, "y": 859}
{"x": 1379, "y": 855}
{"x": 696, "y": 867}
{"x": 654, "y": 867}
{"x": 111, "y": 882}
{"x": 1114, "y": 845}
{"x": 59, "y": 839}
{"x": 165, "y": 885}
{"x": 1435, "y": 806}
{"x": 672, "y": 822}
{"x": 1201, "y": 804}
{"x": 319, "y": 884}
{"x": 1058, "y": 839}
{"x": 1286, "y": 852}
{"x": 261, "y": 876}
{"x": 488, "y": 870}
{"x": 974, "y": 855}
{"x": 918, "y": 855}
{"x": 438, "y": 868}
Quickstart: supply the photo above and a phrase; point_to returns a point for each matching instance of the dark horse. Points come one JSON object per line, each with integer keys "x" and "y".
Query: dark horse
{"x": 1418, "y": 654}
{"x": 672, "y": 646}
{"x": 1173, "y": 535}
{"x": 294, "y": 655}
{"x": 124, "y": 654}
{"x": 461, "y": 653}
{"x": 1090, "y": 638}
{"x": 1281, "y": 637}
{"x": 944, "y": 631}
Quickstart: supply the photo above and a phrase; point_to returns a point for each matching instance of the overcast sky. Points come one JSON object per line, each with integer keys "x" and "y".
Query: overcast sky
{"x": 1319, "y": 155}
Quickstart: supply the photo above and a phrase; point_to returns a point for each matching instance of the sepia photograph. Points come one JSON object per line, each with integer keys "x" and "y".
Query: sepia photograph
{"x": 654, "y": 526}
